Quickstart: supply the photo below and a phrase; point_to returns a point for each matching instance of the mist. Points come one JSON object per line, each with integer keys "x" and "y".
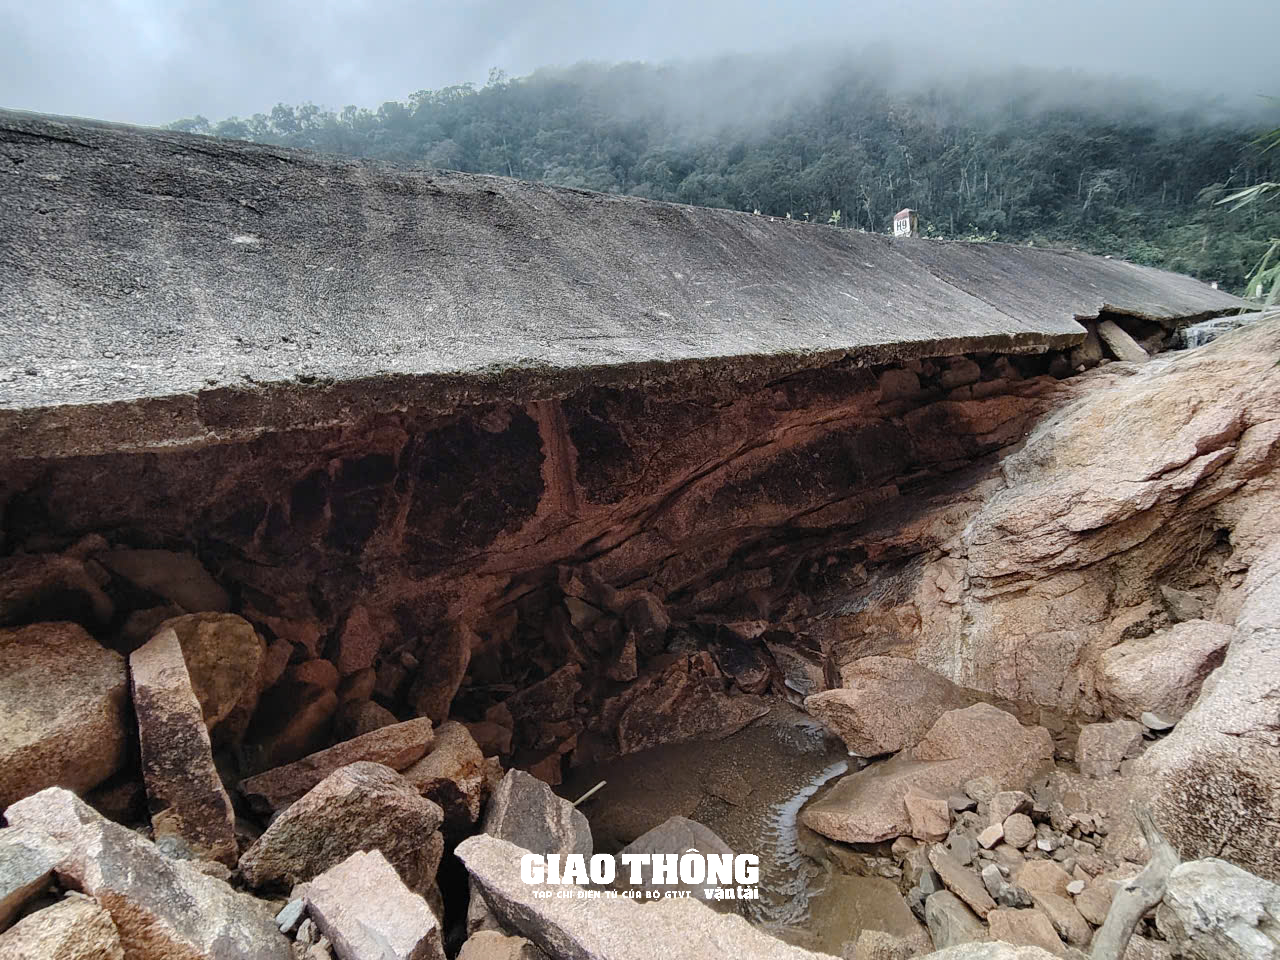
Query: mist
{"x": 154, "y": 61}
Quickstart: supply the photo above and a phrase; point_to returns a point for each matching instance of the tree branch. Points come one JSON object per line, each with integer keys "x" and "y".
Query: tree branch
{"x": 1138, "y": 895}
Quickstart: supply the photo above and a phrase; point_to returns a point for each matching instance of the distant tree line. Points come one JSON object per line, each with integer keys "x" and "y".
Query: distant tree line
{"x": 1015, "y": 158}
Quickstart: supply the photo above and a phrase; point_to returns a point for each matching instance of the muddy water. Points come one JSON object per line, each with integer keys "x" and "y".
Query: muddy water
{"x": 748, "y": 788}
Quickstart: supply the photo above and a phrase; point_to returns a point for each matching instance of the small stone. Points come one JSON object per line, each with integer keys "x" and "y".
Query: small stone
{"x": 224, "y": 657}
{"x": 27, "y": 859}
{"x": 448, "y": 654}
{"x": 495, "y": 945}
{"x": 1019, "y": 830}
{"x": 1006, "y": 803}
{"x": 179, "y": 578}
{"x": 359, "y": 642}
{"x": 1002, "y": 892}
{"x": 307, "y": 932}
{"x": 960, "y": 881}
{"x": 1029, "y": 928}
{"x": 930, "y": 816}
{"x": 313, "y": 673}
{"x": 1094, "y": 903}
{"x": 1075, "y": 887}
{"x": 992, "y": 835}
{"x": 451, "y": 774}
{"x": 1154, "y": 723}
{"x": 358, "y": 717}
{"x": 1043, "y": 876}
{"x": 981, "y": 789}
{"x": 950, "y": 922}
{"x": 902, "y": 846}
{"x": 291, "y": 915}
{"x": 1064, "y": 916}
{"x": 959, "y": 802}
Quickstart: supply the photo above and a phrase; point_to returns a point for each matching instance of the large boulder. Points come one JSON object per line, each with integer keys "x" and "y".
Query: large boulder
{"x": 674, "y": 836}
{"x": 1102, "y": 747}
{"x": 574, "y": 926}
{"x": 225, "y": 658}
{"x": 452, "y": 774}
{"x": 365, "y": 910}
{"x": 63, "y": 710}
{"x": 445, "y": 663}
{"x": 179, "y": 578}
{"x": 163, "y": 909}
{"x": 1213, "y": 910}
{"x": 397, "y": 746}
{"x": 886, "y": 704}
{"x": 48, "y": 586}
{"x": 27, "y": 860}
{"x": 75, "y": 928}
{"x": 1216, "y": 779}
{"x": 870, "y": 805}
{"x": 524, "y": 811}
{"x": 189, "y": 805}
{"x": 362, "y": 806}
{"x": 1161, "y": 673}
{"x": 1154, "y": 474}
{"x": 685, "y": 701}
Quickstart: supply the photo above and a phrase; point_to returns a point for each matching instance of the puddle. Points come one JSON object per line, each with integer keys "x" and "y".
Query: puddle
{"x": 749, "y": 788}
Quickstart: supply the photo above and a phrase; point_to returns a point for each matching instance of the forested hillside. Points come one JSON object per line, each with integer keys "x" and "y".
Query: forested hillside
{"x": 1053, "y": 159}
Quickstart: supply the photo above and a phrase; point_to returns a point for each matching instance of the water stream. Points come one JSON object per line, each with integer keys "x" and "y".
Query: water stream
{"x": 749, "y": 788}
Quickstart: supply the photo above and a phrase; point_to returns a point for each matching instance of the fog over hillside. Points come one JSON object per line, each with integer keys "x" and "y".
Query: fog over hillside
{"x": 149, "y": 61}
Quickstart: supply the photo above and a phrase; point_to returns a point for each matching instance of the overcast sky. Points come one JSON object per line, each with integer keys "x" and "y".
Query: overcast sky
{"x": 153, "y": 61}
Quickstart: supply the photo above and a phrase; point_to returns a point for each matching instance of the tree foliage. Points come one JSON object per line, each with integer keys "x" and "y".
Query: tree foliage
{"x": 1014, "y": 157}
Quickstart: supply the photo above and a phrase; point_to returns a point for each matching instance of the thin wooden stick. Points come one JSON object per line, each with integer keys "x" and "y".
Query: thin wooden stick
{"x": 592, "y": 792}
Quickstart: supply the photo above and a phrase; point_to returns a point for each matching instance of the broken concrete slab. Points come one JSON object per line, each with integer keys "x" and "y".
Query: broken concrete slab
{"x": 1120, "y": 344}
{"x": 590, "y": 928}
{"x": 805, "y": 293}
{"x": 63, "y": 710}
{"x": 162, "y": 908}
{"x": 366, "y": 911}
{"x": 396, "y": 746}
{"x": 191, "y": 813}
